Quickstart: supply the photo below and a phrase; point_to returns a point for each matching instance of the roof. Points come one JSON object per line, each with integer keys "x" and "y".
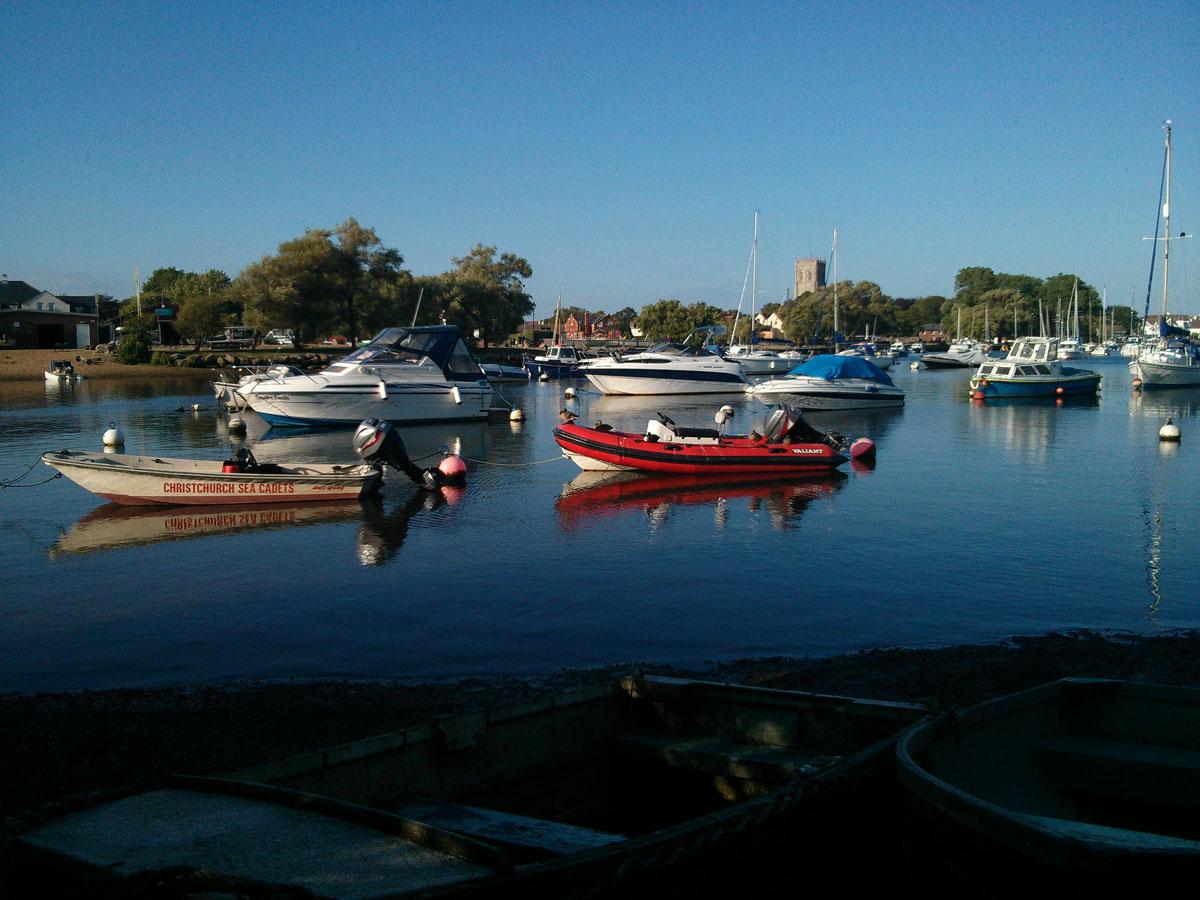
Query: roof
{"x": 14, "y": 293}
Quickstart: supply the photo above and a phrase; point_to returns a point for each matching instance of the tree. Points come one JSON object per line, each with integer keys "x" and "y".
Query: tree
{"x": 670, "y": 320}
{"x": 486, "y": 293}
{"x": 199, "y": 316}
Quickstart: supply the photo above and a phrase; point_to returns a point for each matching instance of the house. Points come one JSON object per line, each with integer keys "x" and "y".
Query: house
{"x": 32, "y": 319}
{"x": 1188, "y": 323}
{"x": 773, "y": 323}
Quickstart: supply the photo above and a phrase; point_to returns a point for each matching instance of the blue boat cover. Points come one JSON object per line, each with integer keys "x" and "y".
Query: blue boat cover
{"x": 830, "y": 366}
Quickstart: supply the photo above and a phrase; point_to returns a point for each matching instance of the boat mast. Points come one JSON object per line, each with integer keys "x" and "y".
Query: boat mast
{"x": 836, "y": 344}
{"x": 557, "y": 311}
{"x": 753, "y": 284}
{"x": 1166, "y": 211}
{"x": 1075, "y": 301}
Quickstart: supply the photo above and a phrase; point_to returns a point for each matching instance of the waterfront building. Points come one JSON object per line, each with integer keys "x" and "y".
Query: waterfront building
{"x": 32, "y": 318}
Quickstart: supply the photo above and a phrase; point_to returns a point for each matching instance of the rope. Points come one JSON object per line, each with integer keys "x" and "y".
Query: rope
{"x": 484, "y": 462}
{"x": 35, "y": 484}
{"x": 12, "y": 482}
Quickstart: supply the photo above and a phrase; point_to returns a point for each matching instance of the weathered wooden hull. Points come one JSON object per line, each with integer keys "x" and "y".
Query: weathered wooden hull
{"x": 601, "y": 791}
{"x": 1081, "y": 786}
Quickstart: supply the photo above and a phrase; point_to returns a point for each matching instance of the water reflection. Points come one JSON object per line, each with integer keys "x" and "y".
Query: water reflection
{"x": 1179, "y": 403}
{"x": 115, "y": 527}
{"x": 595, "y": 496}
{"x": 19, "y": 394}
{"x": 385, "y": 524}
{"x": 1027, "y": 425}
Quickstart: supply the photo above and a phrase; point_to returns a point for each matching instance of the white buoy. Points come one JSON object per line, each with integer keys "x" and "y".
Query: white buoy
{"x": 569, "y": 393}
{"x": 114, "y": 437}
{"x": 914, "y": 365}
{"x": 195, "y": 407}
{"x": 237, "y": 424}
{"x": 517, "y": 415}
{"x": 1169, "y": 432}
{"x": 543, "y": 377}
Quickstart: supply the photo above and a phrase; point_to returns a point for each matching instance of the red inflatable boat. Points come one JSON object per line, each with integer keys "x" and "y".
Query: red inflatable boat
{"x": 789, "y": 444}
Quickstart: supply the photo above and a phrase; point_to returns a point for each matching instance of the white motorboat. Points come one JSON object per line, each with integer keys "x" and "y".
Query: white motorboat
{"x": 227, "y": 390}
{"x": 498, "y": 372}
{"x": 404, "y": 375}
{"x": 1174, "y": 359}
{"x": 685, "y": 368}
{"x": 758, "y": 362}
{"x": 963, "y": 354}
{"x": 897, "y": 349}
{"x": 831, "y": 381}
{"x": 62, "y": 371}
{"x": 866, "y": 351}
{"x": 1068, "y": 348}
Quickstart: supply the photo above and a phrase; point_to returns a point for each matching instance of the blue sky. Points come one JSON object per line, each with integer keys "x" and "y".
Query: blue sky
{"x": 621, "y": 147}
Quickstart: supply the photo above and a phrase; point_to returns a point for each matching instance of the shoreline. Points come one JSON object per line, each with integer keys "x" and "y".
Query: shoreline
{"x": 63, "y": 744}
{"x": 17, "y": 366}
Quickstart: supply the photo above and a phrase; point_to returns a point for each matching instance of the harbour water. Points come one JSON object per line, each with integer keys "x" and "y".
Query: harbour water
{"x": 979, "y": 521}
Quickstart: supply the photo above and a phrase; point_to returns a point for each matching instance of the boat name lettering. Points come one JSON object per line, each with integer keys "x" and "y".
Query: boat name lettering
{"x": 808, "y": 450}
{"x": 227, "y": 487}
{"x": 274, "y": 396}
{"x": 229, "y": 520}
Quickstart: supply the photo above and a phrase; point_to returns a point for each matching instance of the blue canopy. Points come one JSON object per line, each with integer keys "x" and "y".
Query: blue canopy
{"x": 829, "y": 366}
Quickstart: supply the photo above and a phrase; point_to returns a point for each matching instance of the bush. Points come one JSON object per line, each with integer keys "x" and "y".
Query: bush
{"x": 134, "y": 347}
{"x": 158, "y": 358}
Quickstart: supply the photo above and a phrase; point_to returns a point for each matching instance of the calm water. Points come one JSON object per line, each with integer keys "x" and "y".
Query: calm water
{"x": 979, "y": 522}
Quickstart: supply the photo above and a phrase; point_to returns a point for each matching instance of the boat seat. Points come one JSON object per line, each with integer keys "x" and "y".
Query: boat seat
{"x": 511, "y": 832}
{"x": 1163, "y": 776}
{"x": 711, "y": 433}
{"x": 720, "y": 756}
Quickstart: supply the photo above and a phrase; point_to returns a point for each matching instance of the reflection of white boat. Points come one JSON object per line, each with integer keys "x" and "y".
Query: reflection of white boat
{"x": 148, "y": 480}
{"x": 669, "y": 369}
{"x": 829, "y": 381}
{"x": 113, "y": 526}
{"x": 403, "y": 375}
{"x": 62, "y": 371}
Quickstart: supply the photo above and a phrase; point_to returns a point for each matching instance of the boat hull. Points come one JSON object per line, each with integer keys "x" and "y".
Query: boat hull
{"x": 1083, "y": 787}
{"x": 1066, "y": 385}
{"x": 147, "y": 481}
{"x": 821, "y": 394}
{"x": 1165, "y": 374}
{"x": 553, "y": 369}
{"x": 595, "y": 450}
{"x": 615, "y": 379}
{"x": 316, "y": 402}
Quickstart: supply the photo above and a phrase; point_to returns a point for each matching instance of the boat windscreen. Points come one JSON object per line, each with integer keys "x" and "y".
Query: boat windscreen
{"x": 442, "y": 344}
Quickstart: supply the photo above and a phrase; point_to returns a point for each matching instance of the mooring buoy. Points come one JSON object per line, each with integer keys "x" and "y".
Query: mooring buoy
{"x": 1169, "y": 431}
{"x": 517, "y": 415}
{"x": 114, "y": 437}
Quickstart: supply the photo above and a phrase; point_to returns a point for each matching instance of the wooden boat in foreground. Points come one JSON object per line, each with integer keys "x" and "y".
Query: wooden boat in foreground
{"x": 1081, "y": 787}
{"x": 148, "y": 480}
{"x": 601, "y": 790}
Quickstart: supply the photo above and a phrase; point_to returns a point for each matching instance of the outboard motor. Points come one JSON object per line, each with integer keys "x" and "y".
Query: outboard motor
{"x": 379, "y": 444}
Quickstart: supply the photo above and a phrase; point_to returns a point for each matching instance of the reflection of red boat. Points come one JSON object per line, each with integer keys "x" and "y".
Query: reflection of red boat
{"x": 788, "y": 445}
{"x": 594, "y": 494}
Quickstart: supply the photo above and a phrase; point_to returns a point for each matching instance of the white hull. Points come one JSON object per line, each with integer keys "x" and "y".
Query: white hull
{"x": 595, "y": 465}
{"x": 143, "y": 480}
{"x": 52, "y": 378}
{"x": 317, "y": 400}
{"x": 1165, "y": 374}
{"x": 751, "y": 365}
{"x": 615, "y": 384}
{"x": 820, "y": 393}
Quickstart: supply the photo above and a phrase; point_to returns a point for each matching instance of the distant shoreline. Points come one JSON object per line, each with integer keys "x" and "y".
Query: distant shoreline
{"x": 98, "y": 365}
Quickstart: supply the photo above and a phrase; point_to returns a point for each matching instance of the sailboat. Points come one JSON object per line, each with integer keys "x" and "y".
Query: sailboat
{"x": 751, "y": 361}
{"x": 1173, "y": 360}
{"x": 558, "y": 361}
{"x": 1069, "y": 347}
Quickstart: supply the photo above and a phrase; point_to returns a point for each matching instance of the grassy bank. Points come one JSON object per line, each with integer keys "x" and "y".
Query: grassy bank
{"x": 29, "y": 365}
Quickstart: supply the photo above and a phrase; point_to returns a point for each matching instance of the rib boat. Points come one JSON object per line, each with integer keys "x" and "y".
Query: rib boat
{"x": 788, "y": 444}
{"x": 1083, "y": 787}
{"x": 596, "y": 792}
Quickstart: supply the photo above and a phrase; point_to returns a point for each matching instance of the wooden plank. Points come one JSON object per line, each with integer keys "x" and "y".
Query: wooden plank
{"x": 509, "y": 830}
{"x": 1168, "y": 776}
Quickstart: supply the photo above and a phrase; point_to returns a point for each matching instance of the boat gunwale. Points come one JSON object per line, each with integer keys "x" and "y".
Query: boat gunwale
{"x": 356, "y": 472}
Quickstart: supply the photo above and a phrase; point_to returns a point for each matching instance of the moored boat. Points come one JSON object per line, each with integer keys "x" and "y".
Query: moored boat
{"x": 832, "y": 381}
{"x": 556, "y": 362}
{"x": 599, "y": 791}
{"x": 405, "y": 375}
{"x": 1085, "y": 787}
{"x": 62, "y": 371}
{"x": 667, "y": 368}
{"x": 499, "y": 372}
{"x": 1031, "y": 369}
{"x": 788, "y": 444}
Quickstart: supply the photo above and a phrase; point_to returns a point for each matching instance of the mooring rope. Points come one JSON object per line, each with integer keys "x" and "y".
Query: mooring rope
{"x": 12, "y": 482}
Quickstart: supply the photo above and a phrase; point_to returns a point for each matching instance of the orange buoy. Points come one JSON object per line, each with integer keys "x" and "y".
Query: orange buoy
{"x": 978, "y": 395}
{"x": 1058, "y": 390}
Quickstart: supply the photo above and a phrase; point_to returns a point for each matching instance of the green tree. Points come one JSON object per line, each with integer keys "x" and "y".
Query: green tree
{"x": 670, "y": 320}
{"x": 486, "y": 293}
{"x": 200, "y": 315}
{"x": 134, "y": 346}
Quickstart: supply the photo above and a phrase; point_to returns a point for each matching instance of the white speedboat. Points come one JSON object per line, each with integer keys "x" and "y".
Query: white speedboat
{"x": 498, "y": 372}
{"x": 1068, "y": 348}
{"x": 404, "y": 375}
{"x": 897, "y": 349}
{"x": 964, "y": 354}
{"x": 866, "y": 351}
{"x": 62, "y": 371}
{"x": 830, "y": 381}
{"x": 668, "y": 369}
{"x": 758, "y": 362}
{"x": 228, "y": 390}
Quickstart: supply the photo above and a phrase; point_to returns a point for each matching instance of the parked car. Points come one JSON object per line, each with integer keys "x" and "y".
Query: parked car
{"x": 279, "y": 337}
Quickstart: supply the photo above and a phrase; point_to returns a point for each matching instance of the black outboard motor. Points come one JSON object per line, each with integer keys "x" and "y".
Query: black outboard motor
{"x": 378, "y": 443}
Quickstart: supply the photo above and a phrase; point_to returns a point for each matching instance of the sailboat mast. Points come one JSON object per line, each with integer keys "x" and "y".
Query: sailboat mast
{"x": 753, "y": 283}
{"x": 557, "y": 311}
{"x": 1166, "y": 211}
{"x": 836, "y": 345}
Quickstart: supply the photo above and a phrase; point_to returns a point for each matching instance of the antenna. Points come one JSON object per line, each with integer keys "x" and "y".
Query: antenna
{"x": 420, "y": 294}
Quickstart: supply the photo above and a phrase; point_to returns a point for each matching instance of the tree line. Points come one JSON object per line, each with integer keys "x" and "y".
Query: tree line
{"x": 342, "y": 281}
